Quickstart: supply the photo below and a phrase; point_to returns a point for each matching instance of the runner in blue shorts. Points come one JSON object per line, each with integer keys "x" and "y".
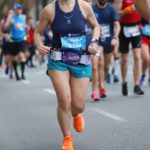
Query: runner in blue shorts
{"x": 69, "y": 66}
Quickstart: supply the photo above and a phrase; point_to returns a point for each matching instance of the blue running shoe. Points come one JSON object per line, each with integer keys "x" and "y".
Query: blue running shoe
{"x": 7, "y": 70}
{"x": 116, "y": 79}
{"x": 108, "y": 79}
{"x": 11, "y": 76}
{"x": 149, "y": 82}
{"x": 142, "y": 80}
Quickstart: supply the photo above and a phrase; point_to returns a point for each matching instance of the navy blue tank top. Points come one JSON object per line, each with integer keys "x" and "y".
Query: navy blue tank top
{"x": 67, "y": 24}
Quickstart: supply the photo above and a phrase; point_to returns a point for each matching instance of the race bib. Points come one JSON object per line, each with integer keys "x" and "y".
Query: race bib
{"x": 71, "y": 58}
{"x": 55, "y": 55}
{"x": 131, "y": 31}
{"x": 105, "y": 31}
{"x": 146, "y": 30}
{"x": 19, "y": 26}
{"x": 73, "y": 42}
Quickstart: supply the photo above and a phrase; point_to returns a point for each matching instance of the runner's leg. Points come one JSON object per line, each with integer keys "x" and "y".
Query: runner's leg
{"x": 61, "y": 83}
{"x": 137, "y": 65}
{"x": 79, "y": 90}
{"x": 95, "y": 72}
{"x": 22, "y": 59}
{"x": 124, "y": 67}
{"x": 145, "y": 57}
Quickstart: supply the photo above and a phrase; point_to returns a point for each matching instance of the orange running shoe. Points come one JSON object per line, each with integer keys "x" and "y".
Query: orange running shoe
{"x": 67, "y": 143}
{"x": 78, "y": 123}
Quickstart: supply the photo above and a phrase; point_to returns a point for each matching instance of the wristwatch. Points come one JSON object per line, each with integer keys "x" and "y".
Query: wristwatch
{"x": 95, "y": 41}
{"x": 115, "y": 37}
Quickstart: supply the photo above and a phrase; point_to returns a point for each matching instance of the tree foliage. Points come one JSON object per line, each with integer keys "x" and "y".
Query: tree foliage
{"x": 28, "y": 4}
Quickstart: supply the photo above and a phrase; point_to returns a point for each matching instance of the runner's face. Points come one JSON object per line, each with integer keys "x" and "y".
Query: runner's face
{"x": 18, "y": 12}
{"x": 118, "y": 4}
{"x": 89, "y": 1}
{"x": 102, "y": 2}
{"x": 10, "y": 12}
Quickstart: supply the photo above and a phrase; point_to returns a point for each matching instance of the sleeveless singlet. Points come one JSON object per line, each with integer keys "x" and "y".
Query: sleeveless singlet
{"x": 68, "y": 28}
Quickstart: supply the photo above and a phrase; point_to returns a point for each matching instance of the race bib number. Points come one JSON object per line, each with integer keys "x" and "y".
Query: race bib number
{"x": 131, "y": 31}
{"x": 76, "y": 43}
{"x": 19, "y": 26}
{"x": 71, "y": 58}
{"x": 146, "y": 30}
{"x": 55, "y": 55}
{"x": 105, "y": 31}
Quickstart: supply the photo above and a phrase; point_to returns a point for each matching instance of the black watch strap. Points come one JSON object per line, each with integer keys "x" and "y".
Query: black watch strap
{"x": 95, "y": 41}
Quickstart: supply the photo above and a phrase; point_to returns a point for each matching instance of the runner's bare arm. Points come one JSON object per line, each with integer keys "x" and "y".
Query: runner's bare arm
{"x": 90, "y": 18}
{"x": 9, "y": 21}
{"x": 117, "y": 28}
{"x": 128, "y": 10}
{"x": 121, "y": 13}
{"x": 1, "y": 33}
{"x": 143, "y": 7}
{"x": 2, "y": 23}
{"x": 46, "y": 18}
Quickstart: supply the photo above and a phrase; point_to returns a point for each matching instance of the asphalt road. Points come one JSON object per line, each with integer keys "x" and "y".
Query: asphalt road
{"x": 28, "y": 117}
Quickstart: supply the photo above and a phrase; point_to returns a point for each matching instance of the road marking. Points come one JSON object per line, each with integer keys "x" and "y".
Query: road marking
{"x": 3, "y": 76}
{"x": 26, "y": 81}
{"x": 40, "y": 72}
{"x": 109, "y": 115}
{"x": 50, "y": 91}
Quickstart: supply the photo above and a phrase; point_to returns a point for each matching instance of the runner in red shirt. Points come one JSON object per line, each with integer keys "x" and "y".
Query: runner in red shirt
{"x": 130, "y": 34}
{"x": 30, "y": 41}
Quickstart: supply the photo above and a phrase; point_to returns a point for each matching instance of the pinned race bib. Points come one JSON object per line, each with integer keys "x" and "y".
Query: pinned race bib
{"x": 105, "y": 31}
{"x": 71, "y": 58}
{"x": 73, "y": 42}
{"x": 146, "y": 30}
{"x": 55, "y": 55}
{"x": 19, "y": 26}
{"x": 85, "y": 59}
{"x": 131, "y": 31}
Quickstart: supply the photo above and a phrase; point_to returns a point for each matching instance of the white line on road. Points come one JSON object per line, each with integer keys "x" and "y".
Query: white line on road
{"x": 26, "y": 81}
{"x": 50, "y": 91}
{"x": 40, "y": 72}
{"x": 3, "y": 76}
{"x": 109, "y": 115}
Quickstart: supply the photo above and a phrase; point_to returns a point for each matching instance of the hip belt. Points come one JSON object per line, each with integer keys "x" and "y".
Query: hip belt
{"x": 70, "y": 58}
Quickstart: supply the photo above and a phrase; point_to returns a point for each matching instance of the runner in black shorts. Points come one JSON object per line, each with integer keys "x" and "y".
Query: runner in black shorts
{"x": 130, "y": 34}
{"x": 17, "y": 26}
{"x": 108, "y": 19}
{"x": 6, "y": 46}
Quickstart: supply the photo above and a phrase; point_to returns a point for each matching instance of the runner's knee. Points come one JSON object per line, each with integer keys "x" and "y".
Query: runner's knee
{"x": 78, "y": 107}
{"x": 137, "y": 58}
{"x": 101, "y": 65}
{"x": 94, "y": 68}
{"x": 124, "y": 60}
{"x": 65, "y": 102}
